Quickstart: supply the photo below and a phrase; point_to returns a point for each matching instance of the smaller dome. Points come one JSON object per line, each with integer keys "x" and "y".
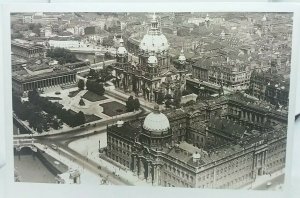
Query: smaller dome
{"x": 152, "y": 60}
{"x": 182, "y": 57}
{"x": 156, "y": 121}
{"x": 121, "y": 50}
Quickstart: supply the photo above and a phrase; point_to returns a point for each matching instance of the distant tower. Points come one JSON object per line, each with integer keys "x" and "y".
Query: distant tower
{"x": 122, "y": 54}
{"x": 122, "y": 63}
{"x": 207, "y": 21}
{"x": 182, "y": 59}
{"x": 182, "y": 69}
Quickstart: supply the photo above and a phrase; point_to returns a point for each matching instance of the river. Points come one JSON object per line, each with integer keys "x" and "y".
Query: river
{"x": 32, "y": 169}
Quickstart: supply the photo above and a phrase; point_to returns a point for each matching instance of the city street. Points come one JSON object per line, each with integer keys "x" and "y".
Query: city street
{"x": 275, "y": 184}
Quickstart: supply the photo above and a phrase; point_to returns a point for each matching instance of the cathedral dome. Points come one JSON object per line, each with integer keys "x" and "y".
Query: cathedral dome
{"x": 154, "y": 43}
{"x": 156, "y": 122}
{"x": 152, "y": 60}
{"x": 154, "y": 40}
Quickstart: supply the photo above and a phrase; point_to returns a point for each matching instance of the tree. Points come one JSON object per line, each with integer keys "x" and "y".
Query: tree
{"x": 183, "y": 32}
{"x": 160, "y": 97}
{"x": 105, "y": 74}
{"x": 95, "y": 87}
{"x": 185, "y": 92}
{"x": 81, "y": 84}
{"x": 108, "y": 41}
{"x": 80, "y": 118}
{"x": 93, "y": 74}
{"x": 33, "y": 96}
{"x": 62, "y": 55}
{"x": 35, "y": 28}
{"x": 17, "y": 35}
{"x": 168, "y": 97}
{"x": 177, "y": 98}
{"x": 168, "y": 103}
{"x": 130, "y": 104}
{"x": 81, "y": 102}
{"x": 137, "y": 104}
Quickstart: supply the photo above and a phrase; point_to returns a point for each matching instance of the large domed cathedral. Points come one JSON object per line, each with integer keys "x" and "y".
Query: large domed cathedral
{"x": 153, "y": 73}
{"x": 154, "y": 43}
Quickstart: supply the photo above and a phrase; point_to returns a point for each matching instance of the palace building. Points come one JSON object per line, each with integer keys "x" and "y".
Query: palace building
{"x": 222, "y": 143}
{"x": 41, "y": 76}
{"x": 153, "y": 73}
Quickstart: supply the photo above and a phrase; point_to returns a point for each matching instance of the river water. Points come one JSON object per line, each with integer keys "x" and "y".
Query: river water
{"x": 32, "y": 169}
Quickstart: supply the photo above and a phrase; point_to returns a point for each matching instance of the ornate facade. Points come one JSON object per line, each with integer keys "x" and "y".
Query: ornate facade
{"x": 153, "y": 72}
{"x": 222, "y": 143}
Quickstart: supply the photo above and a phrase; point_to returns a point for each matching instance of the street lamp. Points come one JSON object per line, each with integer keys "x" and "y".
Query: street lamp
{"x": 99, "y": 145}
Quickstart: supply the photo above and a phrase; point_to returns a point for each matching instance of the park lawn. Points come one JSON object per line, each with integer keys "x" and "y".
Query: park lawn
{"x": 113, "y": 108}
{"x": 91, "y": 118}
{"x": 92, "y": 97}
{"x": 73, "y": 93}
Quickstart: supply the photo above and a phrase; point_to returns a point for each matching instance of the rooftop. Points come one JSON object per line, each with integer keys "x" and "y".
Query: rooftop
{"x": 128, "y": 130}
{"x": 24, "y": 76}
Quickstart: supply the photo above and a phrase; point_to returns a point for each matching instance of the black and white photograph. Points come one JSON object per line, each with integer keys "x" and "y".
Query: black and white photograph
{"x": 156, "y": 99}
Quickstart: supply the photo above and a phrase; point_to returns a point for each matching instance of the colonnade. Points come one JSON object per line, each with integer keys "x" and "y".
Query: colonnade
{"x": 49, "y": 82}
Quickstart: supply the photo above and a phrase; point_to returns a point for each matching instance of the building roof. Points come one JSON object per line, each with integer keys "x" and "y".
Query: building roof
{"x": 227, "y": 127}
{"x": 128, "y": 130}
{"x": 23, "y": 77}
{"x": 156, "y": 122}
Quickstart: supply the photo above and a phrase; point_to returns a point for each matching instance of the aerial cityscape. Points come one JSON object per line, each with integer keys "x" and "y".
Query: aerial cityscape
{"x": 182, "y": 99}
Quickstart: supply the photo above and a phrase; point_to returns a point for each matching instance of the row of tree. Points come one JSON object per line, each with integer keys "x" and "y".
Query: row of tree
{"x": 174, "y": 100}
{"x": 102, "y": 75}
{"x": 132, "y": 104}
{"x": 95, "y": 87}
{"x": 37, "y": 120}
{"x": 62, "y": 55}
{"x": 69, "y": 117}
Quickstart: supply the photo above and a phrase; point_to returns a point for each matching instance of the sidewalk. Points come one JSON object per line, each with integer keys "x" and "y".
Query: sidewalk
{"x": 122, "y": 172}
{"x": 260, "y": 180}
{"x": 86, "y": 176}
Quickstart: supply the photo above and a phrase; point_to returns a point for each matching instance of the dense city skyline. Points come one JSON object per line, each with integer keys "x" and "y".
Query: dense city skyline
{"x": 182, "y": 99}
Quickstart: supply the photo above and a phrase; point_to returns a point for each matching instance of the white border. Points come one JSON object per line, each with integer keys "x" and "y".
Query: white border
{"x": 31, "y": 189}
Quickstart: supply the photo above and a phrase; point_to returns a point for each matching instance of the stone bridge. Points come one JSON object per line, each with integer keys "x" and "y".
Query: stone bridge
{"x": 22, "y": 143}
